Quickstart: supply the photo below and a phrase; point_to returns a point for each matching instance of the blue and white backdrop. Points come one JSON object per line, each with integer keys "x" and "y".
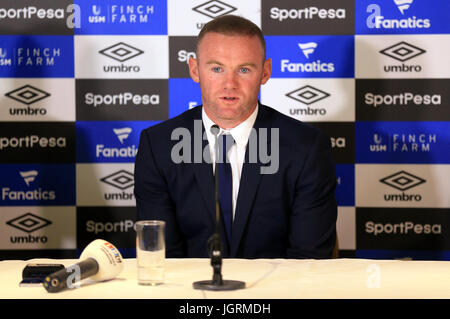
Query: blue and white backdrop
{"x": 80, "y": 79}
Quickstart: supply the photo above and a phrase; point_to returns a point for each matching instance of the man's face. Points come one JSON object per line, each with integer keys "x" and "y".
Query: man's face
{"x": 230, "y": 70}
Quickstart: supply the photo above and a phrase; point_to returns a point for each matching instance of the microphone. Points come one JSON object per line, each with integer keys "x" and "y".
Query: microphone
{"x": 100, "y": 260}
{"x": 214, "y": 242}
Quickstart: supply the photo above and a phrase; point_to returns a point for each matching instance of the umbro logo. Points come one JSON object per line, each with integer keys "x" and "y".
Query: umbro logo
{"x": 122, "y": 133}
{"x": 308, "y": 95}
{"x": 28, "y": 222}
{"x": 403, "y": 5}
{"x": 402, "y": 51}
{"x": 214, "y": 9}
{"x": 27, "y": 94}
{"x": 121, "y": 52}
{"x": 308, "y": 48}
{"x": 121, "y": 179}
{"x": 29, "y": 176}
{"x": 402, "y": 180}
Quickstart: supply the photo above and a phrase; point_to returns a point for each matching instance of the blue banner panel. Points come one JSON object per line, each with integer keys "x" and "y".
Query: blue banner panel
{"x": 37, "y": 184}
{"x": 36, "y": 56}
{"x": 184, "y": 94}
{"x": 345, "y": 189}
{"x": 311, "y": 56}
{"x": 122, "y": 17}
{"x": 108, "y": 142}
{"x": 401, "y": 16}
{"x": 403, "y": 142}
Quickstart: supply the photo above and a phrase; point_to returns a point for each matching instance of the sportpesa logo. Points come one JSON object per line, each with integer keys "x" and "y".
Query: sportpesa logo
{"x": 402, "y": 228}
{"x": 72, "y": 14}
{"x": 402, "y": 99}
{"x": 32, "y": 141}
{"x": 309, "y": 13}
{"x": 121, "y": 99}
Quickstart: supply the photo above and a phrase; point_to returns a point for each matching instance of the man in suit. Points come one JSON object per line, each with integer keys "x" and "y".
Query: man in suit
{"x": 287, "y": 211}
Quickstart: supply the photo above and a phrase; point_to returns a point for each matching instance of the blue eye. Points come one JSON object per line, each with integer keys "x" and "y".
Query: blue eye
{"x": 245, "y": 70}
{"x": 216, "y": 69}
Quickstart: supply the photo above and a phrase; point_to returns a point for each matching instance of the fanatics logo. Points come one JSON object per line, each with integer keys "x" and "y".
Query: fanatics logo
{"x": 113, "y": 152}
{"x": 122, "y": 133}
{"x": 28, "y": 222}
{"x": 376, "y": 20}
{"x": 121, "y": 52}
{"x": 214, "y": 9}
{"x": 307, "y": 48}
{"x": 403, "y": 5}
{"x": 29, "y": 176}
{"x": 121, "y": 179}
{"x": 27, "y": 94}
{"x": 402, "y": 181}
{"x": 308, "y": 95}
{"x": 402, "y": 51}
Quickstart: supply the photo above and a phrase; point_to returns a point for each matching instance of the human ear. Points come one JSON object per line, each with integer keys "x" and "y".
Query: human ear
{"x": 193, "y": 69}
{"x": 267, "y": 71}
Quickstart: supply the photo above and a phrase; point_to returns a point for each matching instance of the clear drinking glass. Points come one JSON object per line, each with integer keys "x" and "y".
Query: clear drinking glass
{"x": 150, "y": 252}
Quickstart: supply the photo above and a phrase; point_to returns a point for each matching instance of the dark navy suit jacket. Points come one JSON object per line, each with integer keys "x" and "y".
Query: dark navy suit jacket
{"x": 289, "y": 214}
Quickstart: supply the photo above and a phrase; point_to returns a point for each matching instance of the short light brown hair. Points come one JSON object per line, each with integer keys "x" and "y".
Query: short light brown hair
{"x": 232, "y": 25}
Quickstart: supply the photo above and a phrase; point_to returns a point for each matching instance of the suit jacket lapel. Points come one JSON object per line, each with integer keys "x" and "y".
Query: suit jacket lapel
{"x": 202, "y": 170}
{"x": 248, "y": 186}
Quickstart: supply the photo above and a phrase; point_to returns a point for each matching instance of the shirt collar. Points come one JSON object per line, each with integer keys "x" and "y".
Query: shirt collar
{"x": 240, "y": 132}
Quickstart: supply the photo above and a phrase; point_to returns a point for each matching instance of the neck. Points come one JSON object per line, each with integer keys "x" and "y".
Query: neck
{"x": 228, "y": 124}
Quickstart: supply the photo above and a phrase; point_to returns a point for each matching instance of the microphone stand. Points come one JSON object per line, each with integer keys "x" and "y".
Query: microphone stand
{"x": 217, "y": 283}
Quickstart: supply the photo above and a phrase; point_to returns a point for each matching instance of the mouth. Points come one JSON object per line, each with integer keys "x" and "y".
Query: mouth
{"x": 229, "y": 98}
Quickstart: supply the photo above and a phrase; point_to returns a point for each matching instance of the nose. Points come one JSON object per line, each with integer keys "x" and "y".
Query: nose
{"x": 231, "y": 81}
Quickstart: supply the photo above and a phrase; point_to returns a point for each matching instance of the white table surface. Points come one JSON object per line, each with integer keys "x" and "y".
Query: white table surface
{"x": 264, "y": 278}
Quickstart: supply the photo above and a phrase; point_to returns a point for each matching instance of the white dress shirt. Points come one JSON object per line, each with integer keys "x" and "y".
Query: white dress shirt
{"x": 236, "y": 153}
